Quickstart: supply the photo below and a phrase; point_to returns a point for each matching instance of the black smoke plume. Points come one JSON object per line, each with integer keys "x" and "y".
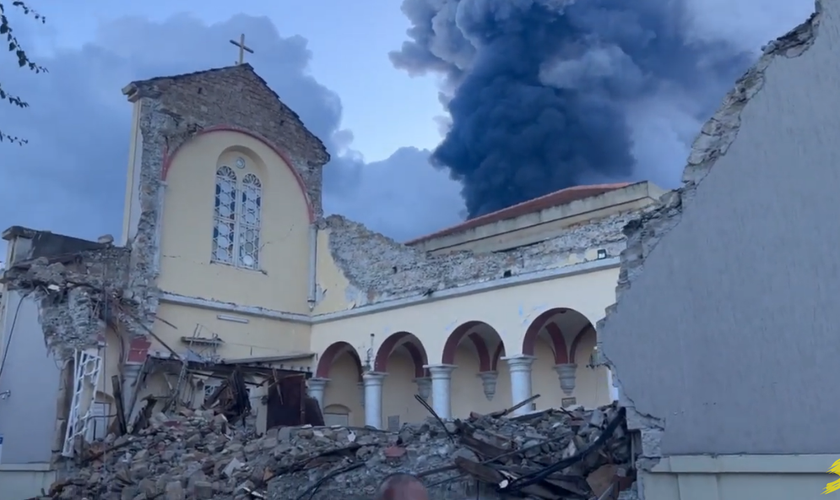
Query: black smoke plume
{"x": 538, "y": 91}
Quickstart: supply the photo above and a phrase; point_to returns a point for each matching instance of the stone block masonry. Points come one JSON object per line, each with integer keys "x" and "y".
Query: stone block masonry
{"x": 380, "y": 269}
{"x": 73, "y": 293}
{"x": 175, "y": 109}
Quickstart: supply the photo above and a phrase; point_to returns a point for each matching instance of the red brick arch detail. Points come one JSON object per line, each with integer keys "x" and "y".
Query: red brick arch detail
{"x": 497, "y": 355}
{"x": 485, "y": 363}
{"x": 411, "y": 343}
{"x": 558, "y": 343}
{"x": 578, "y": 338}
{"x": 331, "y": 354}
{"x": 169, "y": 156}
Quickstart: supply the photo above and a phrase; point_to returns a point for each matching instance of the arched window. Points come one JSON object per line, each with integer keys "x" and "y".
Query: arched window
{"x": 236, "y": 229}
{"x": 249, "y": 222}
{"x": 224, "y": 227}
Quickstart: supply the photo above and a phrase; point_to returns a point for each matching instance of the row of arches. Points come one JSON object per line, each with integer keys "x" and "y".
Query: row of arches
{"x": 475, "y": 371}
{"x": 552, "y": 326}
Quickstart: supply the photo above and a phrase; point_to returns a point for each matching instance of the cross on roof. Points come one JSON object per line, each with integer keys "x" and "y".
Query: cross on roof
{"x": 242, "y": 48}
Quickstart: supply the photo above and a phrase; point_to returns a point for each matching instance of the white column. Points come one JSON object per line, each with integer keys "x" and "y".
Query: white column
{"x": 373, "y": 398}
{"x": 317, "y": 386}
{"x": 520, "y": 380}
{"x": 441, "y": 383}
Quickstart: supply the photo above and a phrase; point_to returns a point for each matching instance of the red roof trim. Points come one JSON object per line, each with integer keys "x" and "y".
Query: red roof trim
{"x": 562, "y": 197}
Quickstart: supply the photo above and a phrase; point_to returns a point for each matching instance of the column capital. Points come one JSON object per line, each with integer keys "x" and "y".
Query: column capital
{"x": 440, "y": 371}
{"x": 373, "y": 377}
{"x": 519, "y": 362}
{"x": 565, "y": 368}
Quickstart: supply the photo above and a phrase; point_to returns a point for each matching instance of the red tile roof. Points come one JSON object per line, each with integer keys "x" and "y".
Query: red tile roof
{"x": 562, "y": 197}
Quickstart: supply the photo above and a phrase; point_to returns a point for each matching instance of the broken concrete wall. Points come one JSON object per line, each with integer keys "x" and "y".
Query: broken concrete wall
{"x": 724, "y": 336}
{"x": 74, "y": 293}
{"x": 175, "y": 109}
{"x": 380, "y": 269}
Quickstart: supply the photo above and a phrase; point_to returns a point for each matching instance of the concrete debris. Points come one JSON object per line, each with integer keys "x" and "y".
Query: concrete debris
{"x": 576, "y": 454}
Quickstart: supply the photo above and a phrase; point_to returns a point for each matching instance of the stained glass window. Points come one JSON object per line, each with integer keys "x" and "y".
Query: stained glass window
{"x": 224, "y": 227}
{"x": 249, "y": 222}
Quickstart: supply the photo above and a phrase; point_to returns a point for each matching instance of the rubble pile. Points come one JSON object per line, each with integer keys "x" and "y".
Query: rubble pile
{"x": 576, "y": 454}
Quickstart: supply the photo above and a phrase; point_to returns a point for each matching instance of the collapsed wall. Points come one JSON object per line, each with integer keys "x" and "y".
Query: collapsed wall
{"x": 74, "y": 292}
{"x": 380, "y": 269}
{"x": 573, "y": 454}
{"x": 683, "y": 332}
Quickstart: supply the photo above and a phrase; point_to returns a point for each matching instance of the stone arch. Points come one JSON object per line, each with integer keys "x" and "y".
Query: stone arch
{"x": 331, "y": 353}
{"x": 411, "y": 344}
{"x": 169, "y": 156}
{"x": 556, "y": 323}
{"x": 479, "y": 341}
{"x": 555, "y": 335}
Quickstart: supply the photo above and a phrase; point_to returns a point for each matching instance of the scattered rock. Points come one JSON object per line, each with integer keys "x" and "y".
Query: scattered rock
{"x": 197, "y": 455}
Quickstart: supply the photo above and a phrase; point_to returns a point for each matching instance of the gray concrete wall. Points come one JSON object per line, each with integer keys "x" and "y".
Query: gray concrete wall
{"x": 29, "y": 384}
{"x": 726, "y": 334}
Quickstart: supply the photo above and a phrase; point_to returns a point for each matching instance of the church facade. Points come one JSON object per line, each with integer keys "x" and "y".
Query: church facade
{"x": 227, "y": 260}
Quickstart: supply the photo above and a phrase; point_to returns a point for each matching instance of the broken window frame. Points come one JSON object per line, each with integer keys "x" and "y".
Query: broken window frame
{"x": 87, "y": 366}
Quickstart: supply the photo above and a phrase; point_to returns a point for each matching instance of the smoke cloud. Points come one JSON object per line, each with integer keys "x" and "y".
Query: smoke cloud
{"x": 547, "y": 94}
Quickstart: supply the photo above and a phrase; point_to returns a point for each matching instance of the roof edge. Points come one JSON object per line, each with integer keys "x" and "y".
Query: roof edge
{"x": 512, "y": 211}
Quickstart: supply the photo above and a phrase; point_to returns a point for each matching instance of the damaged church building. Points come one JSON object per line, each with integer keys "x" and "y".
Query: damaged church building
{"x": 230, "y": 289}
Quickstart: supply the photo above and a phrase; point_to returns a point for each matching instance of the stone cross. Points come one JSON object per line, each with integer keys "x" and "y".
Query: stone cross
{"x": 242, "y": 48}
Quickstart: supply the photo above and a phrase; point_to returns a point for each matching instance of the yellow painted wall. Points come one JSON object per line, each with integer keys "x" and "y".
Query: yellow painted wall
{"x": 187, "y": 228}
{"x": 112, "y": 354}
{"x": 343, "y": 393}
{"x": 331, "y": 281}
{"x": 467, "y": 390}
{"x": 508, "y": 310}
{"x": 259, "y": 337}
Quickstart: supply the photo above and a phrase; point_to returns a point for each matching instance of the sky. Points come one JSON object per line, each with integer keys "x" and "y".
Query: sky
{"x": 327, "y": 59}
